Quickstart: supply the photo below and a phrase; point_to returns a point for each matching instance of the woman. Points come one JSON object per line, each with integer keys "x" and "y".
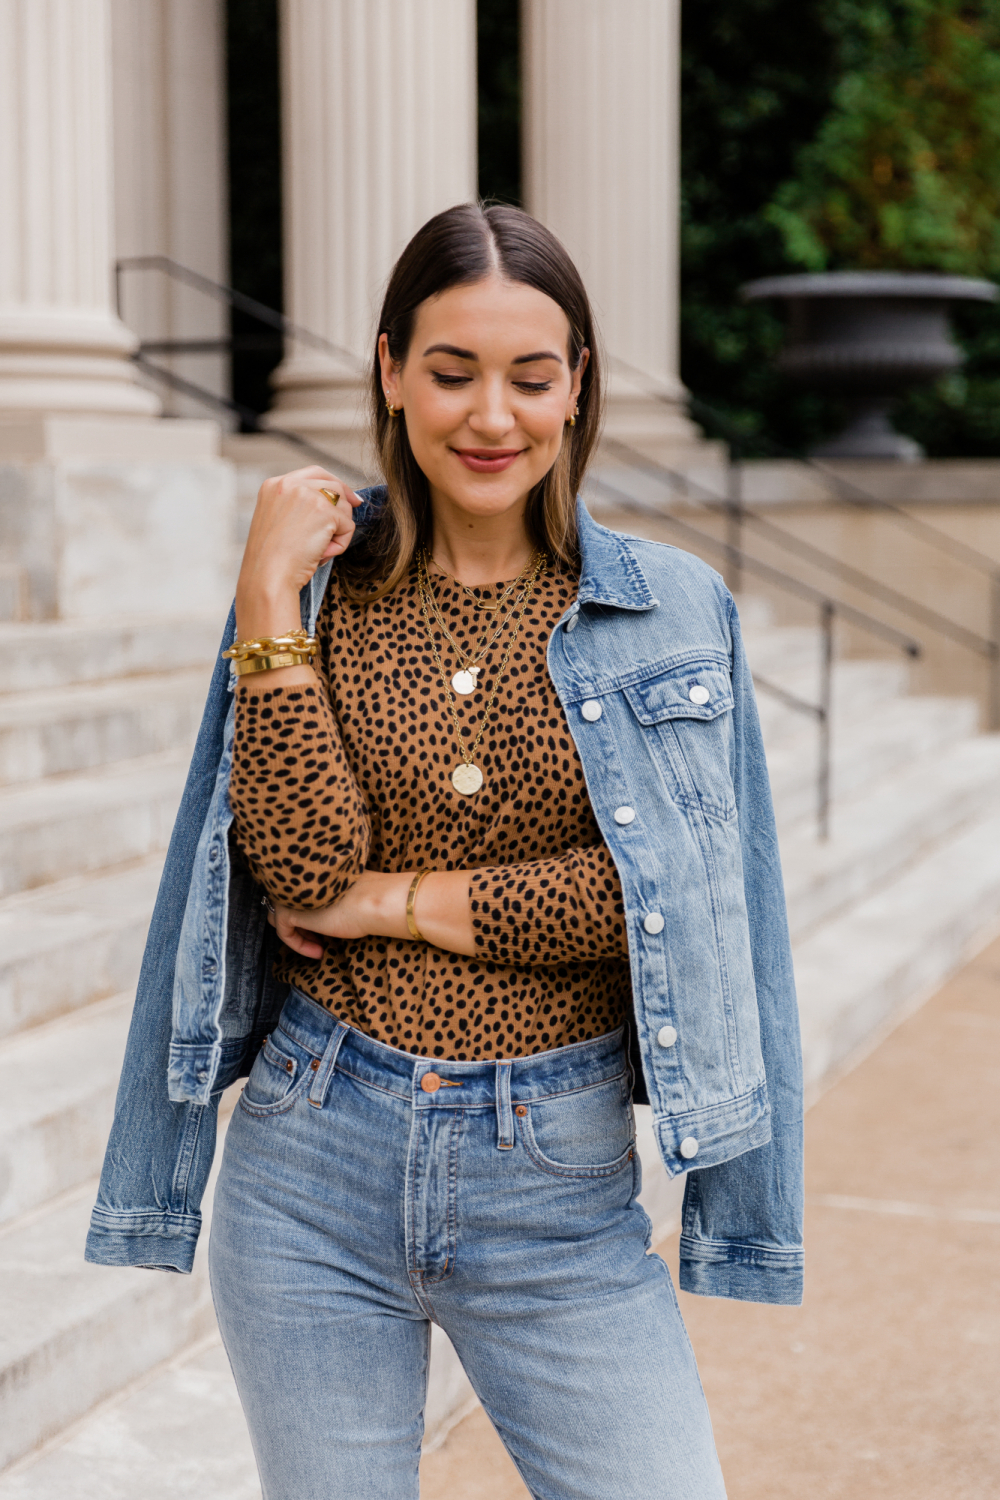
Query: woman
{"x": 505, "y": 797}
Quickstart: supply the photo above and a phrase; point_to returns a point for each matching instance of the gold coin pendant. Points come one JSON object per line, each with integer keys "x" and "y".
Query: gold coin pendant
{"x": 465, "y": 681}
{"x": 466, "y": 779}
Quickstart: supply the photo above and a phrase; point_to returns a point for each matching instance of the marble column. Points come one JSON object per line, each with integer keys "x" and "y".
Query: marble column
{"x": 379, "y": 124}
{"x": 168, "y": 85}
{"x": 62, "y": 349}
{"x": 601, "y": 134}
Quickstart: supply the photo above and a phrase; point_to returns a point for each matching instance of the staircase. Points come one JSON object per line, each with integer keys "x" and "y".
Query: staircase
{"x": 112, "y": 1381}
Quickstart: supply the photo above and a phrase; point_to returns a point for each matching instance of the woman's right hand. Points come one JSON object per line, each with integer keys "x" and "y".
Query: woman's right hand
{"x": 294, "y": 529}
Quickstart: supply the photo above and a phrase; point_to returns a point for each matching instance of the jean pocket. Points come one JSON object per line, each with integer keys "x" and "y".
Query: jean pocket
{"x": 586, "y": 1134}
{"x": 279, "y": 1074}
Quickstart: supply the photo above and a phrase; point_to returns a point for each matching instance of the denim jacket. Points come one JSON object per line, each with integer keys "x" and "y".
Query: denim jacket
{"x": 650, "y": 669}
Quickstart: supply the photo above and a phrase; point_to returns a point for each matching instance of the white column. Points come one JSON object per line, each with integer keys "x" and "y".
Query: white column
{"x": 379, "y": 123}
{"x": 170, "y": 177}
{"x": 601, "y": 138}
{"x": 62, "y": 349}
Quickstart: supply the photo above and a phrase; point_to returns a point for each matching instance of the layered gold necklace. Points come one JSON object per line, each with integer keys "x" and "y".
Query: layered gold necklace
{"x": 467, "y": 777}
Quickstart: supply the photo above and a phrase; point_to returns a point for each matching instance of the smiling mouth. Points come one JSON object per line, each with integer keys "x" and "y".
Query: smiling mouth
{"x": 487, "y": 460}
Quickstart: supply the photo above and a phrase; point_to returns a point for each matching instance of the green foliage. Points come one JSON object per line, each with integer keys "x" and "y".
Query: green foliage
{"x": 904, "y": 172}
{"x": 763, "y": 81}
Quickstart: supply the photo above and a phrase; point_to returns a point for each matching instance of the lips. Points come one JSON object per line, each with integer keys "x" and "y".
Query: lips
{"x": 487, "y": 460}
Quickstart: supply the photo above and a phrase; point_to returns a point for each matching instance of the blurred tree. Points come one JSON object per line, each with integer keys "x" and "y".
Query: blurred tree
{"x": 904, "y": 172}
{"x": 254, "y": 125}
{"x": 837, "y": 134}
{"x": 499, "y": 76}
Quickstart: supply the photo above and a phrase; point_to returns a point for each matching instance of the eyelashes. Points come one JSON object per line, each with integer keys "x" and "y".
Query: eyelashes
{"x": 454, "y": 382}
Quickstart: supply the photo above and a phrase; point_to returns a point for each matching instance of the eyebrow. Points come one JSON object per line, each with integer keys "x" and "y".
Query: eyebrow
{"x": 522, "y": 359}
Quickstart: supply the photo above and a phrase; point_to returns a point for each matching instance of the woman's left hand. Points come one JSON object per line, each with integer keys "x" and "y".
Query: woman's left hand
{"x": 375, "y": 906}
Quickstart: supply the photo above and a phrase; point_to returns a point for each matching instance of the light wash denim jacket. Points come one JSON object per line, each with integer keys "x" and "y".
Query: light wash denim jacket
{"x": 650, "y": 669}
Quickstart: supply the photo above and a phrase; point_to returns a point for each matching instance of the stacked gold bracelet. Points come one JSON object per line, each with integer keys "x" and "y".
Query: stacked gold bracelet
{"x": 295, "y": 649}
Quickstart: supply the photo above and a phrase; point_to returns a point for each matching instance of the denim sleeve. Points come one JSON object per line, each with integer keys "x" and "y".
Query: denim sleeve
{"x": 742, "y": 1222}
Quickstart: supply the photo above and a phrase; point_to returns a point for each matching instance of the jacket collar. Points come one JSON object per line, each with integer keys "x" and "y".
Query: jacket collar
{"x": 609, "y": 569}
{"x": 609, "y": 572}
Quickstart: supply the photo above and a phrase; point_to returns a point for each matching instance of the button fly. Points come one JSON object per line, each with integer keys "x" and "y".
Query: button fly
{"x": 591, "y": 710}
{"x": 430, "y": 1083}
{"x": 699, "y": 694}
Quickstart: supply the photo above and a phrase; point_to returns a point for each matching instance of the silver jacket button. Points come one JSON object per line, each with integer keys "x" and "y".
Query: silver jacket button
{"x": 624, "y": 814}
{"x": 591, "y": 710}
{"x": 667, "y": 1036}
{"x": 571, "y": 622}
{"x": 653, "y": 923}
{"x": 699, "y": 694}
{"x": 689, "y": 1147}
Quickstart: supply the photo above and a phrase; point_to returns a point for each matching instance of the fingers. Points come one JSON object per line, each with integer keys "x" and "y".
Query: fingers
{"x": 299, "y": 939}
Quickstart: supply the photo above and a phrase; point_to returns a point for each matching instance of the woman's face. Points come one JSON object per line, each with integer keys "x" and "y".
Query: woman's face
{"x": 487, "y": 390}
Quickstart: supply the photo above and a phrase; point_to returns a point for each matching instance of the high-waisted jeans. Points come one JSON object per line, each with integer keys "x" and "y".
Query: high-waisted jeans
{"x": 359, "y": 1201}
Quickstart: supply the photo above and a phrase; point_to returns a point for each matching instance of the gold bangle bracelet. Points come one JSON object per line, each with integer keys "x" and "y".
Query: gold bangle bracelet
{"x": 270, "y": 663}
{"x": 411, "y": 897}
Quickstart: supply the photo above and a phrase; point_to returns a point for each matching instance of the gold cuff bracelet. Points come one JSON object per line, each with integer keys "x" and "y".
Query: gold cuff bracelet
{"x": 411, "y": 897}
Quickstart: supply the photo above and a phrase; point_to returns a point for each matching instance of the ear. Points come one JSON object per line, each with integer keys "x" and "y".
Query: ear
{"x": 574, "y": 391}
{"x": 390, "y": 373}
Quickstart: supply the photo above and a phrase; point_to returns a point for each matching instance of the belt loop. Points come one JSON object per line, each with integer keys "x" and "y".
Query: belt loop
{"x": 505, "y": 1115}
{"x": 323, "y": 1074}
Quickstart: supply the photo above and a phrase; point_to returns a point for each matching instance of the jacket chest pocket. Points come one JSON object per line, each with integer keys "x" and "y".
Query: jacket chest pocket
{"x": 689, "y": 709}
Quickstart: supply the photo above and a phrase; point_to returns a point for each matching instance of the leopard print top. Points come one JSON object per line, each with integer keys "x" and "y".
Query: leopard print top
{"x": 325, "y": 785}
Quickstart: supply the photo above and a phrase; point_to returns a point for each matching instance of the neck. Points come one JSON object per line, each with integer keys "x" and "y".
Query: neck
{"x": 479, "y": 550}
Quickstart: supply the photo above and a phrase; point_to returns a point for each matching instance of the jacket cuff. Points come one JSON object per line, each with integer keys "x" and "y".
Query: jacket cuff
{"x": 149, "y": 1240}
{"x": 746, "y": 1273}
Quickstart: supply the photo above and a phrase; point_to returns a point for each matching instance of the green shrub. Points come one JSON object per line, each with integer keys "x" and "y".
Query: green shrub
{"x": 904, "y": 172}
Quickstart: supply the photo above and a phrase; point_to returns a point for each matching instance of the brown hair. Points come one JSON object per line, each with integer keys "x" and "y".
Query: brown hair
{"x": 465, "y": 244}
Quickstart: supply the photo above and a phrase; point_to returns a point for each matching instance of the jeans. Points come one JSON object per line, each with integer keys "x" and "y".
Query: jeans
{"x": 360, "y": 1199}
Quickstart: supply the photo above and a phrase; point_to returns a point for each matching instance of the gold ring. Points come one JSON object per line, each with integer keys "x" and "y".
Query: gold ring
{"x": 333, "y": 499}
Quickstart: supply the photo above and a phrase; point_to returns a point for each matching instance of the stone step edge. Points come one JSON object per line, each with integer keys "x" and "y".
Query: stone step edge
{"x": 111, "y": 1402}
{"x": 57, "y": 890}
{"x": 961, "y": 929}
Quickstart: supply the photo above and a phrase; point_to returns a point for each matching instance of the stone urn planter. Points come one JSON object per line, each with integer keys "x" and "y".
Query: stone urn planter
{"x": 869, "y": 336}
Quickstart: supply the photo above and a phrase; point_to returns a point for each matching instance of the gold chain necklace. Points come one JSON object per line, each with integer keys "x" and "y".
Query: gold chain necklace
{"x": 470, "y": 663}
{"x": 467, "y": 777}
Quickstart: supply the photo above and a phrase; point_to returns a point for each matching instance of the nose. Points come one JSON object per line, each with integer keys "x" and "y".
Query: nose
{"x": 491, "y": 417}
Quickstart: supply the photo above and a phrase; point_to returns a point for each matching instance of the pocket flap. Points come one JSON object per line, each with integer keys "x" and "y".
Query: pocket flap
{"x": 697, "y": 690}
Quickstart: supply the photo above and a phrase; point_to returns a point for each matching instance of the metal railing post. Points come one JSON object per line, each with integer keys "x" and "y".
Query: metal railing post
{"x": 993, "y": 708}
{"x": 825, "y": 720}
{"x": 734, "y": 517}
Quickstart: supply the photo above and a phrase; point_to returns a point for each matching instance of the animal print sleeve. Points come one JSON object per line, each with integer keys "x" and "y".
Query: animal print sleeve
{"x": 550, "y": 911}
{"x": 298, "y": 813}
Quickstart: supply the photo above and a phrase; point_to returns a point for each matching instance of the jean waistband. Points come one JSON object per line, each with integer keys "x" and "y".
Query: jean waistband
{"x": 481, "y": 1084}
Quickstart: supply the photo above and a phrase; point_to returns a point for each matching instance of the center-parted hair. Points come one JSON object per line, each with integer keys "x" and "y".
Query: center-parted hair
{"x": 460, "y": 246}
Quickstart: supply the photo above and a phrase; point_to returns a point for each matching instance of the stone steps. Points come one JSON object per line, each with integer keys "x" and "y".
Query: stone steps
{"x": 71, "y": 1334}
{"x": 59, "y": 653}
{"x": 79, "y": 727}
{"x": 57, "y": 1094}
{"x": 70, "y": 825}
{"x": 881, "y": 958}
{"x": 891, "y": 736}
{"x": 877, "y": 835}
{"x": 67, "y": 944}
